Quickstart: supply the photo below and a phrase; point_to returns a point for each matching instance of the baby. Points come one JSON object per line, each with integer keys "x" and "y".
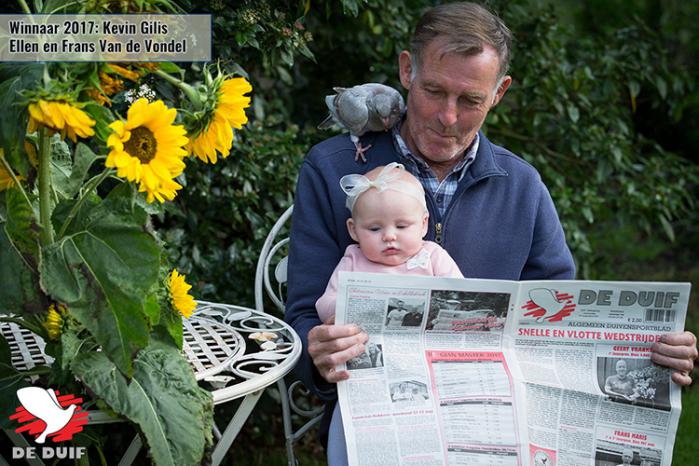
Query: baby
{"x": 389, "y": 220}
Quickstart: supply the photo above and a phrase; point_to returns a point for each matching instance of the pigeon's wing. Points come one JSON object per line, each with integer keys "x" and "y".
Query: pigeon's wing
{"x": 351, "y": 110}
{"x": 36, "y": 401}
{"x": 52, "y": 395}
{"x": 546, "y": 299}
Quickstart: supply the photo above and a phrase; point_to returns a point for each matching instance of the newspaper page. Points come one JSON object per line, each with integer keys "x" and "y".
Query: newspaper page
{"x": 489, "y": 372}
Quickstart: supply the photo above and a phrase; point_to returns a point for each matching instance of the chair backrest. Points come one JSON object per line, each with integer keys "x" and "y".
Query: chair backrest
{"x": 295, "y": 398}
{"x": 273, "y": 255}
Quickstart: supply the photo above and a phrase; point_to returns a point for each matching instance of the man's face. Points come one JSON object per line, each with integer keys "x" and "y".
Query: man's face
{"x": 621, "y": 369}
{"x": 448, "y": 100}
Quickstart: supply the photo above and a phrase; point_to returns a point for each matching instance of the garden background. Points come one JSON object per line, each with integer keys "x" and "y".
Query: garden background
{"x": 604, "y": 104}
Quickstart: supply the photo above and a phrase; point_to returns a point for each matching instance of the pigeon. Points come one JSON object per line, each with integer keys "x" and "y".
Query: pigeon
{"x": 44, "y": 405}
{"x": 363, "y": 108}
{"x": 546, "y": 300}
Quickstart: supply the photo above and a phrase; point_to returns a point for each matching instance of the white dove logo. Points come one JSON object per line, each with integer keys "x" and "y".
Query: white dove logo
{"x": 43, "y": 404}
{"x": 546, "y": 304}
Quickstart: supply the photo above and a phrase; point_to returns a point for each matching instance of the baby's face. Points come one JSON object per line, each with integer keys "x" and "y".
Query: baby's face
{"x": 389, "y": 226}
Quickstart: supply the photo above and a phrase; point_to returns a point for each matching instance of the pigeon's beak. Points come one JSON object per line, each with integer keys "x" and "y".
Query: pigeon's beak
{"x": 386, "y": 123}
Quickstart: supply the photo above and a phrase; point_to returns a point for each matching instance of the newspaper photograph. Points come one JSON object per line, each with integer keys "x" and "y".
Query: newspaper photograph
{"x": 502, "y": 373}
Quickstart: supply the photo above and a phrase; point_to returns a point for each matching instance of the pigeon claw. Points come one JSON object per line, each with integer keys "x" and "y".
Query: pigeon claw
{"x": 360, "y": 152}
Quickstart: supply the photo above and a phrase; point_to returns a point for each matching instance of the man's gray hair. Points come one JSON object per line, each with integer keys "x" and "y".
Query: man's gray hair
{"x": 466, "y": 27}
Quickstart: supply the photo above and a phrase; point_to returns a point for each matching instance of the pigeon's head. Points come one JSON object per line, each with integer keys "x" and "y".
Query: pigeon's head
{"x": 389, "y": 108}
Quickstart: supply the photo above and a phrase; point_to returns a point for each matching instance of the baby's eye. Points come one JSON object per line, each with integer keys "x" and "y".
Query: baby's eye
{"x": 401, "y": 226}
{"x": 374, "y": 228}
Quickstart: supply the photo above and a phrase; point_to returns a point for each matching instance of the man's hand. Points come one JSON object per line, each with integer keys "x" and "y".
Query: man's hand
{"x": 677, "y": 351}
{"x": 330, "y": 345}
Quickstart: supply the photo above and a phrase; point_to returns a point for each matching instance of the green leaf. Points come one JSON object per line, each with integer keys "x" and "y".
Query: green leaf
{"x": 573, "y": 113}
{"x": 61, "y": 166}
{"x": 667, "y": 227}
{"x": 71, "y": 344}
{"x": 103, "y": 118}
{"x": 19, "y": 291}
{"x": 152, "y": 309}
{"x": 13, "y": 124}
{"x": 163, "y": 398}
{"x": 21, "y": 227}
{"x": 634, "y": 89}
{"x": 170, "y": 67}
{"x": 662, "y": 86}
{"x": 82, "y": 161}
{"x": 171, "y": 322}
{"x": 102, "y": 269}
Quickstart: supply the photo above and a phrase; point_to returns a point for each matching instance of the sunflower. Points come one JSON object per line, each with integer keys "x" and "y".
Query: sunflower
{"x": 62, "y": 116}
{"x": 229, "y": 112}
{"x": 6, "y": 180}
{"x": 108, "y": 86}
{"x": 182, "y": 301}
{"x": 125, "y": 72}
{"x": 54, "y": 321}
{"x": 148, "y": 149}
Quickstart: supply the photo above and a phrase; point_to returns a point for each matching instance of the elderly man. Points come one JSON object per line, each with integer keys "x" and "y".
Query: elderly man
{"x": 620, "y": 384}
{"x": 488, "y": 208}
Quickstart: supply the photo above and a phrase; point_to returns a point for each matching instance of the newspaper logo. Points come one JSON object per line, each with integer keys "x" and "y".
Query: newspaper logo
{"x": 548, "y": 305}
{"x": 43, "y": 414}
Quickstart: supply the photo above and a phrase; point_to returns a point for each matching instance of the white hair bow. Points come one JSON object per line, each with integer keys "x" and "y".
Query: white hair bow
{"x": 389, "y": 178}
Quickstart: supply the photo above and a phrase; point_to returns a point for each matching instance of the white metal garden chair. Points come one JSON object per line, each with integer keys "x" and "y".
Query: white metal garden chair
{"x": 270, "y": 281}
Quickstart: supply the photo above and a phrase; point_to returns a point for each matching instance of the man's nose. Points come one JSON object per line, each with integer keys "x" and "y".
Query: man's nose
{"x": 448, "y": 115}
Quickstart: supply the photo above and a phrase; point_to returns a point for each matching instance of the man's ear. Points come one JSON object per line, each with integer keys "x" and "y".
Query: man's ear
{"x": 405, "y": 68}
{"x": 425, "y": 223}
{"x": 500, "y": 91}
{"x": 351, "y": 229}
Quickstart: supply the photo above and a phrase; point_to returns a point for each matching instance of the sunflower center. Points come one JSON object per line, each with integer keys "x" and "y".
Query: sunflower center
{"x": 142, "y": 144}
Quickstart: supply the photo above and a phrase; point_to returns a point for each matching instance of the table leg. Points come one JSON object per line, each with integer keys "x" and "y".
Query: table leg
{"x": 131, "y": 452}
{"x": 233, "y": 428}
{"x": 20, "y": 441}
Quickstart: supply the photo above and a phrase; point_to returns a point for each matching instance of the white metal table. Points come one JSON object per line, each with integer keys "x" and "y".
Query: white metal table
{"x": 236, "y": 350}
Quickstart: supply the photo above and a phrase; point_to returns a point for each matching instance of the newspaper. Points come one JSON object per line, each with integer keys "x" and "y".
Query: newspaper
{"x": 488, "y": 372}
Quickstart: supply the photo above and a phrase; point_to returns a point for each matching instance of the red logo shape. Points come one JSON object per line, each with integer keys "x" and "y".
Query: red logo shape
{"x": 45, "y": 414}
{"x": 550, "y": 305}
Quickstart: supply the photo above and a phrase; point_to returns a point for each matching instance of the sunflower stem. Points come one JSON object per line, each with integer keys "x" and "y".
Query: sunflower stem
{"x": 47, "y": 77}
{"x": 45, "y": 188}
{"x": 188, "y": 90}
{"x": 11, "y": 172}
{"x": 91, "y": 185}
